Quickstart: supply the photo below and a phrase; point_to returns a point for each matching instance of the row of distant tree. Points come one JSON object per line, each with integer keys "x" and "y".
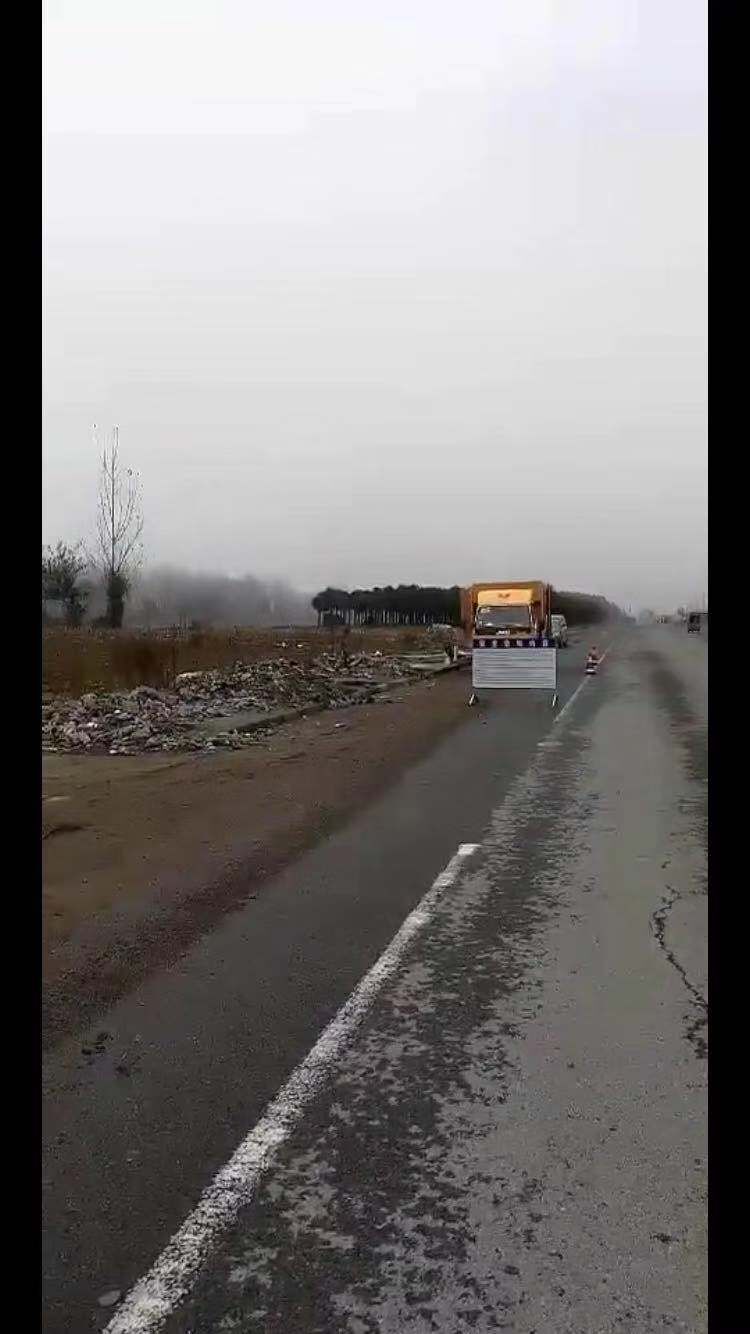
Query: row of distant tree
{"x": 585, "y": 608}
{"x": 409, "y": 604}
{"x": 412, "y": 604}
{"x": 73, "y": 591}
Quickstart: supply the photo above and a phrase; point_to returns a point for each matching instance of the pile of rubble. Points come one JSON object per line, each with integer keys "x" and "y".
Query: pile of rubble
{"x": 148, "y": 719}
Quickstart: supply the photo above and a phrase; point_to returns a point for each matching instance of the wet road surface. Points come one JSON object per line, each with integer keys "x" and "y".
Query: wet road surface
{"x": 514, "y": 1137}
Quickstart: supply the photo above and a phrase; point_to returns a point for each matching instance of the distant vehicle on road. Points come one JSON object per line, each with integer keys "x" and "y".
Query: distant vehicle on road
{"x": 559, "y": 628}
{"x": 694, "y": 623}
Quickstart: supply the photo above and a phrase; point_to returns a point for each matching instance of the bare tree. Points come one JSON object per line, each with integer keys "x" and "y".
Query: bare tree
{"x": 119, "y": 528}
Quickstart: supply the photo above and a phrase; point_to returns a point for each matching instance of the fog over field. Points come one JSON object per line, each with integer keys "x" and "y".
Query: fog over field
{"x": 384, "y": 293}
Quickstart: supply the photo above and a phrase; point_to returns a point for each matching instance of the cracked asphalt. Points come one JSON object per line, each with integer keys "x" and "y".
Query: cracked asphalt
{"x": 517, "y": 1137}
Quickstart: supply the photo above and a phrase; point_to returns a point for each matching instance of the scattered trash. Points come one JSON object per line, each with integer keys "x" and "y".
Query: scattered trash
{"x": 97, "y": 1046}
{"x": 145, "y": 719}
{"x": 111, "y": 1298}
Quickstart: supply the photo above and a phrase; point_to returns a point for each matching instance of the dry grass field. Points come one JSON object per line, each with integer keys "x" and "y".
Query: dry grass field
{"x": 74, "y": 661}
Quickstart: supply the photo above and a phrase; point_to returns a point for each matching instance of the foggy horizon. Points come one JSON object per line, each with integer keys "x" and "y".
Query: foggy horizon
{"x": 380, "y": 298}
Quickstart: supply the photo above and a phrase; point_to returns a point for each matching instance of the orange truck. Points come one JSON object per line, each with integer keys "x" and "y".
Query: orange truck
{"x": 500, "y": 610}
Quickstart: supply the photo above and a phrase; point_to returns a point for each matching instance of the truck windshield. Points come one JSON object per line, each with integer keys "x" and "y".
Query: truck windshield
{"x": 503, "y": 618}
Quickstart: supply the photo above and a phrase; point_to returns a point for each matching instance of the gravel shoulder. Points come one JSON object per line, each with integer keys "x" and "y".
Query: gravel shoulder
{"x": 144, "y": 853}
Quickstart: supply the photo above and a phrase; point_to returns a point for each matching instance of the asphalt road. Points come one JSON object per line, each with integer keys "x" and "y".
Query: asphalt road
{"x": 514, "y": 1136}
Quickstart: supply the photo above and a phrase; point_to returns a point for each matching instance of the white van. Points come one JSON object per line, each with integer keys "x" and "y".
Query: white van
{"x": 559, "y": 631}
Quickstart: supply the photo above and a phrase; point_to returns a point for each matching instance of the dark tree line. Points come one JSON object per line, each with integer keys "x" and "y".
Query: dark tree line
{"x": 585, "y": 608}
{"x": 410, "y": 604}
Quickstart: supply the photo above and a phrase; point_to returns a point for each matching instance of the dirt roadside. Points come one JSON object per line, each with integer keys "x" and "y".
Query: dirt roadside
{"x": 143, "y": 854}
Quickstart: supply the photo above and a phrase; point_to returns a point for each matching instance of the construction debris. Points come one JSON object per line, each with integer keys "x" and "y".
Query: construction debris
{"x": 148, "y": 719}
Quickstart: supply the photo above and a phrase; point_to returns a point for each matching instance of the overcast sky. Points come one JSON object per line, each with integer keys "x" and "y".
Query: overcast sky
{"x": 384, "y": 292}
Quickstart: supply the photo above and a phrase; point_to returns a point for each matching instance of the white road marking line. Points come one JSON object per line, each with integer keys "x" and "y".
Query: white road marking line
{"x": 153, "y": 1299}
{"x": 149, "y": 1304}
{"x": 577, "y": 691}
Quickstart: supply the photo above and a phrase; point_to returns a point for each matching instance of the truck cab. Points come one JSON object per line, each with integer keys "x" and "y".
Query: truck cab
{"x": 504, "y": 620}
{"x": 505, "y": 610}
